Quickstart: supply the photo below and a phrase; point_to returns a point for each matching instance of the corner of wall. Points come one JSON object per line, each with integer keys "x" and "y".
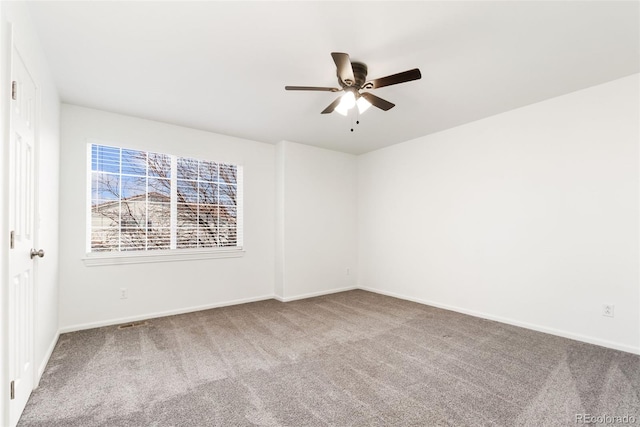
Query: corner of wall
{"x": 316, "y": 215}
{"x": 279, "y": 215}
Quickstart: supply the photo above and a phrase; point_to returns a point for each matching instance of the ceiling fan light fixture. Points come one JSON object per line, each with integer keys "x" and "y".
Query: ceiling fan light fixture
{"x": 363, "y": 104}
{"x": 341, "y": 110}
{"x": 348, "y": 100}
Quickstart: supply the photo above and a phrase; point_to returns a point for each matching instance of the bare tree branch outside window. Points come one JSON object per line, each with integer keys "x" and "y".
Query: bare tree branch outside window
{"x": 131, "y": 202}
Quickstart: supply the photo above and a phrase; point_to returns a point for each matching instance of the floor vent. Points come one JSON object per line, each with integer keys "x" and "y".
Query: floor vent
{"x": 133, "y": 324}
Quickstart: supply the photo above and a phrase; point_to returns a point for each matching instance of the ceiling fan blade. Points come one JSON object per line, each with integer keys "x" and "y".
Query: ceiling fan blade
{"x": 394, "y": 79}
{"x": 325, "y": 89}
{"x": 345, "y": 70}
{"x": 332, "y": 106}
{"x": 378, "y": 102}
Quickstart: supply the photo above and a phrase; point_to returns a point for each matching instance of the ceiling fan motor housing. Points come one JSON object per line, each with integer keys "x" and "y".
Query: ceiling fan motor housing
{"x": 359, "y": 73}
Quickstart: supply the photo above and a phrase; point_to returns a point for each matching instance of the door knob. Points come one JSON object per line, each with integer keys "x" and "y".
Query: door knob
{"x": 35, "y": 253}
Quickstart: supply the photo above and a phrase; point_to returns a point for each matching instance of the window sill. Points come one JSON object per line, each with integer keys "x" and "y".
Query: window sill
{"x": 98, "y": 259}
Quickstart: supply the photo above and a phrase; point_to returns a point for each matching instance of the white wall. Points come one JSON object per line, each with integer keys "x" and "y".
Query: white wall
{"x": 46, "y": 321}
{"x": 316, "y": 235}
{"x": 90, "y": 295}
{"x": 529, "y": 217}
{"x": 280, "y": 224}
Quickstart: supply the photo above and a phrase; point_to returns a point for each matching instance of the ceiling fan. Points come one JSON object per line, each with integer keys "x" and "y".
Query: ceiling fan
{"x": 352, "y": 77}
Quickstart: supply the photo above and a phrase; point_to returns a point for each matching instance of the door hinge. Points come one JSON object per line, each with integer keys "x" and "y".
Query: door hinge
{"x": 14, "y": 90}
{"x": 13, "y": 390}
{"x": 12, "y": 240}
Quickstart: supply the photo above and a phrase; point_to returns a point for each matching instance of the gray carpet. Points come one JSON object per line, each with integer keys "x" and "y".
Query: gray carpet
{"x": 348, "y": 359}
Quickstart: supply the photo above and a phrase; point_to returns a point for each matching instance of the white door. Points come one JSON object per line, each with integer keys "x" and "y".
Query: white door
{"x": 21, "y": 223}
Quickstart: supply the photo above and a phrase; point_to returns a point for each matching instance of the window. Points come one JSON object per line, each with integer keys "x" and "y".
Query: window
{"x": 145, "y": 201}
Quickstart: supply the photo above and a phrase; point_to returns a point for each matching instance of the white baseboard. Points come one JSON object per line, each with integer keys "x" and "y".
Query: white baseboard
{"x": 110, "y": 322}
{"x": 45, "y": 361}
{"x": 314, "y": 294}
{"x": 534, "y": 327}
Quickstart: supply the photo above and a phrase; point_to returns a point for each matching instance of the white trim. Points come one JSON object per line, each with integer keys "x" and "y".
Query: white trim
{"x": 147, "y": 316}
{"x": 173, "y": 215}
{"x": 239, "y": 205}
{"x": 87, "y": 202}
{"x": 45, "y": 360}
{"x": 174, "y": 227}
{"x": 551, "y": 331}
{"x": 533, "y": 327}
{"x": 314, "y": 294}
{"x": 118, "y": 258}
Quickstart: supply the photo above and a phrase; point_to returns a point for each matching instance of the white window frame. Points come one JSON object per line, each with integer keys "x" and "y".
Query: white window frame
{"x": 159, "y": 255}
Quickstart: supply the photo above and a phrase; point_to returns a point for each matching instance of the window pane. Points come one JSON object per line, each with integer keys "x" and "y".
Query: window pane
{"x": 187, "y": 168}
{"x": 227, "y": 195}
{"x": 133, "y": 214}
{"x": 208, "y": 171}
{"x": 207, "y": 237}
{"x": 105, "y": 159}
{"x": 227, "y": 236}
{"x": 105, "y": 239}
{"x": 228, "y": 216}
{"x": 105, "y": 186}
{"x": 159, "y": 189}
{"x": 208, "y": 215}
{"x": 207, "y": 193}
{"x": 133, "y": 239}
{"x": 187, "y": 191}
{"x": 134, "y": 187}
{"x": 229, "y": 174}
{"x": 187, "y": 215}
{"x": 159, "y": 215}
{"x": 134, "y": 162}
{"x": 186, "y": 238}
{"x": 101, "y": 218}
{"x": 159, "y": 165}
{"x": 106, "y": 208}
{"x": 158, "y": 238}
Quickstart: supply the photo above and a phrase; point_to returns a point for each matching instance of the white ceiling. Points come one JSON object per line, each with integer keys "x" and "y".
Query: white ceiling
{"x": 222, "y": 66}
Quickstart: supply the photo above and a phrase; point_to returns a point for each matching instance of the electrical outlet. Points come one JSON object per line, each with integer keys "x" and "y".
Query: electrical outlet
{"x": 348, "y": 271}
{"x": 123, "y": 293}
{"x": 607, "y": 310}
